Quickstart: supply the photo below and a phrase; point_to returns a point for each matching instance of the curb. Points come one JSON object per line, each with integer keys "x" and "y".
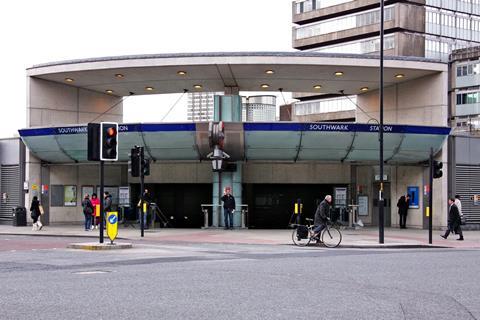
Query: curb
{"x": 56, "y": 235}
{"x": 393, "y": 246}
{"x": 99, "y": 246}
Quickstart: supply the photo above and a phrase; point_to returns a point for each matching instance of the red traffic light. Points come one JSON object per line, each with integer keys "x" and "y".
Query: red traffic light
{"x": 111, "y": 131}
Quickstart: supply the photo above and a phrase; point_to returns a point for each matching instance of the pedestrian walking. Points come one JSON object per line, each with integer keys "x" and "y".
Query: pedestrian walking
{"x": 403, "y": 204}
{"x": 228, "y": 208}
{"x": 453, "y": 220}
{"x": 87, "y": 211}
{"x": 95, "y": 215}
{"x": 35, "y": 214}
{"x": 458, "y": 203}
{"x": 107, "y": 205}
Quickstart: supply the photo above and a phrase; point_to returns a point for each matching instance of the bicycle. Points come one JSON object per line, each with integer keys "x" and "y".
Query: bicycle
{"x": 330, "y": 236}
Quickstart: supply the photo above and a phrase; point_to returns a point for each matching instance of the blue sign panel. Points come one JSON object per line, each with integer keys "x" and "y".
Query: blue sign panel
{"x": 414, "y": 194}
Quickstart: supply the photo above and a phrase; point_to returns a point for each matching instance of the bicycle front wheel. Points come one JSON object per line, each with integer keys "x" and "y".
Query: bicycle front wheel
{"x": 331, "y": 237}
{"x": 299, "y": 241}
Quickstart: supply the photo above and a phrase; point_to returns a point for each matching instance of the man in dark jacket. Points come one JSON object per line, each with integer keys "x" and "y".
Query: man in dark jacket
{"x": 228, "y": 207}
{"x": 322, "y": 215}
{"x": 453, "y": 220}
{"x": 403, "y": 204}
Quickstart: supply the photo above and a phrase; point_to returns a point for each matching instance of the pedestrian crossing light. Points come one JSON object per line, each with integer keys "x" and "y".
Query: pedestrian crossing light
{"x": 437, "y": 169}
{"x": 109, "y": 143}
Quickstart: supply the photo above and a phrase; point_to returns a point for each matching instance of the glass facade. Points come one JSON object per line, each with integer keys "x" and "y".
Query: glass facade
{"x": 369, "y": 45}
{"x": 452, "y": 24}
{"x": 324, "y": 106}
{"x": 310, "y": 5}
{"x": 343, "y": 23}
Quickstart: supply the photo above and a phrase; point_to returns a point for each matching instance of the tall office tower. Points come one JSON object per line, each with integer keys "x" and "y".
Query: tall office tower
{"x": 200, "y": 106}
{"x": 259, "y": 108}
{"x": 422, "y": 28}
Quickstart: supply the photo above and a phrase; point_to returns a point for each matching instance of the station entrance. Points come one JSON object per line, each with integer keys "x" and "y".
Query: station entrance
{"x": 179, "y": 203}
{"x": 270, "y": 206}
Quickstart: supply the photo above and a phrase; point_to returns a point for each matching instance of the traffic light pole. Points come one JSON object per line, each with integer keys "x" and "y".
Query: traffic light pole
{"x": 430, "y": 198}
{"x": 381, "y": 221}
{"x": 101, "y": 199}
{"x": 142, "y": 178}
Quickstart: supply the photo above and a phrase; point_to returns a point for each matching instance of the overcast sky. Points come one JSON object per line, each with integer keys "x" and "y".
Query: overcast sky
{"x": 36, "y": 32}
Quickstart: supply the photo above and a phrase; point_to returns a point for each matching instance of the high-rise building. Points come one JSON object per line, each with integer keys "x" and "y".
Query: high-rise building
{"x": 259, "y": 108}
{"x": 200, "y": 106}
{"x": 422, "y": 28}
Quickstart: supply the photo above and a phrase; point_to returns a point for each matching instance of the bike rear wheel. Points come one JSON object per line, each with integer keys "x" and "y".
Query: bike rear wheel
{"x": 331, "y": 237}
{"x": 298, "y": 241}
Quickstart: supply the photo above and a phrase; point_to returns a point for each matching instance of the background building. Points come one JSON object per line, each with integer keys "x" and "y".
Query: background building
{"x": 430, "y": 29}
{"x": 200, "y": 106}
{"x": 259, "y": 108}
{"x": 464, "y": 142}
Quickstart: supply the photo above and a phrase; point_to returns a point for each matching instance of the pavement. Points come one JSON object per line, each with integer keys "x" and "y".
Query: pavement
{"x": 367, "y": 237}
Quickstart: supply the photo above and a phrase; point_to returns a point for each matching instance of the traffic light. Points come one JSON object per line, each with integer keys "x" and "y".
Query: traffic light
{"x": 146, "y": 167}
{"x": 93, "y": 153}
{"x": 134, "y": 162}
{"x": 109, "y": 143}
{"x": 437, "y": 169}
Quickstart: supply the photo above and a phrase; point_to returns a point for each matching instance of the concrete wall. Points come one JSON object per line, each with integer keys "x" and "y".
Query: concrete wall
{"x": 84, "y": 175}
{"x": 55, "y": 104}
{"x": 313, "y": 172}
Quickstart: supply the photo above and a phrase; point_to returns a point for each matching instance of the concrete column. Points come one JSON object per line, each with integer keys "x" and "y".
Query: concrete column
{"x": 227, "y": 108}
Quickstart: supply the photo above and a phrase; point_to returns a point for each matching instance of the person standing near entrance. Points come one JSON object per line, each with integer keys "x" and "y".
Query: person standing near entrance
{"x": 35, "y": 214}
{"x": 96, "y": 215}
{"x": 107, "y": 205}
{"x": 87, "y": 211}
{"x": 228, "y": 208}
{"x": 403, "y": 204}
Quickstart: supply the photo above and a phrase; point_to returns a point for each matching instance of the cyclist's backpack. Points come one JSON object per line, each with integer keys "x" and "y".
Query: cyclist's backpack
{"x": 302, "y": 232}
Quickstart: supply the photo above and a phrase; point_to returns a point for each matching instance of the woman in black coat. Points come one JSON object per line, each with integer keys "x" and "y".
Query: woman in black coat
{"x": 35, "y": 214}
{"x": 402, "y": 205}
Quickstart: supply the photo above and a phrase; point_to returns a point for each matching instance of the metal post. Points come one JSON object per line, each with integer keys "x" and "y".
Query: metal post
{"x": 430, "y": 198}
{"x": 102, "y": 199}
{"x": 142, "y": 177}
{"x": 380, "y": 131}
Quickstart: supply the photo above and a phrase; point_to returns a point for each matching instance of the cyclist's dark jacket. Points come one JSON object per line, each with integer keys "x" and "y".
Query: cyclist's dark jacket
{"x": 228, "y": 202}
{"x": 321, "y": 214}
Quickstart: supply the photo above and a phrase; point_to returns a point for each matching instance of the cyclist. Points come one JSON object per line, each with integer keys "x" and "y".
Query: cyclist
{"x": 321, "y": 216}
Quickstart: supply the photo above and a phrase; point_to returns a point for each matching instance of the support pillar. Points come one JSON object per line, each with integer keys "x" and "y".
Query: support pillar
{"x": 227, "y": 108}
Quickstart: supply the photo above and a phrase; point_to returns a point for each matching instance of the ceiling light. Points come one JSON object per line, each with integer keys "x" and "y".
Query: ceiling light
{"x": 149, "y": 88}
{"x": 119, "y": 76}
{"x": 364, "y": 89}
{"x": 68, "y": 80}
{"x": 339, "y": 73}
{"x": 399, "y": 76}
{"x": 181, "y": 73}
{"x": 317, "y": 87}
{"x": 197, "y": 86}
{"x": 269, "y": 71}
{"x": 109, "y": 91}
{"x": 264, "y": 86}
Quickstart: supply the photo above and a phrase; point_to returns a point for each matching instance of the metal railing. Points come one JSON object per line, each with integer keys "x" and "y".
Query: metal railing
{"x": 218, "y": 207}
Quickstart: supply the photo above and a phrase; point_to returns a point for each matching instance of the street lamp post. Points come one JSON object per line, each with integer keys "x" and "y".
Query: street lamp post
{"x": 381, "y": 221}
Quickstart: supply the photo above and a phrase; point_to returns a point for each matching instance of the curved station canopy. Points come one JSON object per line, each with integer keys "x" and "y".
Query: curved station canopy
{"x": 321, "y": 73}
{"x": 283, "y": 141}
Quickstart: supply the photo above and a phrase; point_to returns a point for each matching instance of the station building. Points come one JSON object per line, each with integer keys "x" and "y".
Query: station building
{"x": 276, "y": 162}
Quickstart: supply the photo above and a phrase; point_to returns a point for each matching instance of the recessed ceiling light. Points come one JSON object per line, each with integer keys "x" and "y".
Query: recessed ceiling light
{"x": 364, "y": 89}
{"x": 109, "y": 91}
{"x": 269, "y": 71}
{"x": 339, "y": 73}
{"x": 149, "y": 88}
{"x": 119, "y": 76}
{"x": 181, "y": 73}
{"x": 197, "y": 86}
{"x": 68, "y": 80}
{"x": 264, "y": 86}
{"x": 317, "y": 86}
{"x": 399, "y": 75}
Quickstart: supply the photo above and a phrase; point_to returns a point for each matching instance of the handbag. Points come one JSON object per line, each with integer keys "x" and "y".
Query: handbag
{"x": 40, "y": 208}
{"x": 463, "y": 220}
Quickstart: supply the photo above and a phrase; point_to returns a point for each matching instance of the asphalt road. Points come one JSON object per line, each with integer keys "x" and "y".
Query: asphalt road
{"x": 40, "y": 279}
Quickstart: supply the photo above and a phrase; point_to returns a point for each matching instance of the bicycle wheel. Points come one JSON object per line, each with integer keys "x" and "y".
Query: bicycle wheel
{"x": 300, "y": 241}
{"x": 331, "y": 237}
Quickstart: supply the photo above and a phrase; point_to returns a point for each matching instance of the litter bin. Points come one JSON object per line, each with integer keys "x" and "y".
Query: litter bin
{"x": 19, "y": 217}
